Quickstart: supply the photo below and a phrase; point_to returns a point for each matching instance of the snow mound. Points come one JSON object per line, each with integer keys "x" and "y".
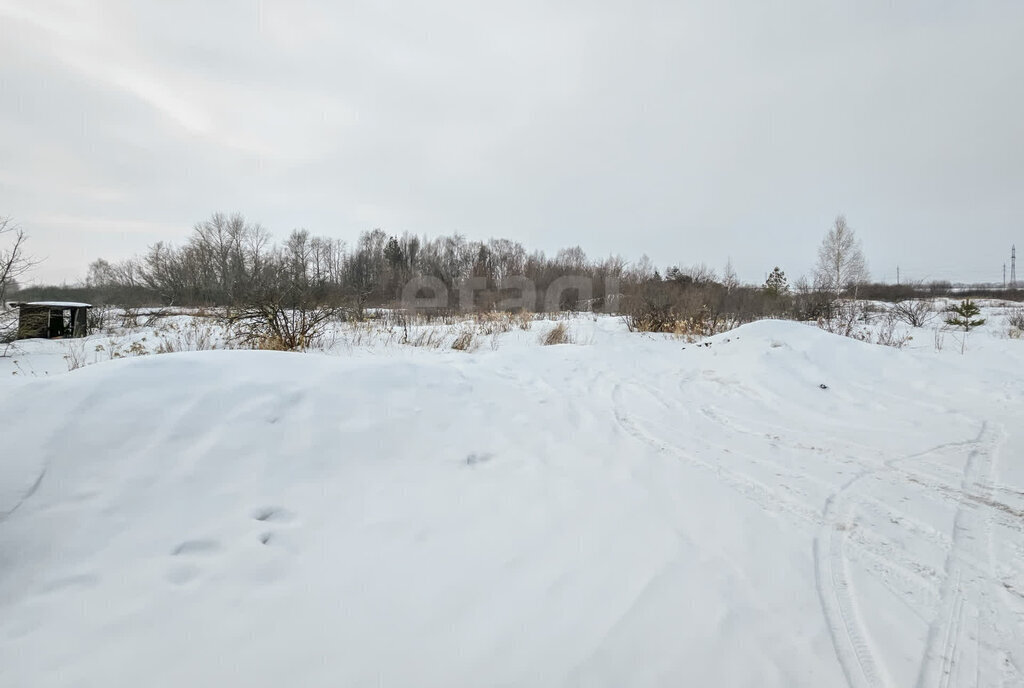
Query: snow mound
{"x": 779, "y": 507}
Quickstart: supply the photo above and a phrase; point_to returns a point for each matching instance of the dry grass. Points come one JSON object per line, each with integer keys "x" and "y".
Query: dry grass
{"x": 523, "y": 320}
{"x": 74, "y": 356}
{"x": 192, "y": 336}
{"x": 493, "y": 323}
{"x": 463, "y": 342}
{"x": 559, "y": 334}
{"x": 431, "y": 338}
{"x": 271, "y": 343}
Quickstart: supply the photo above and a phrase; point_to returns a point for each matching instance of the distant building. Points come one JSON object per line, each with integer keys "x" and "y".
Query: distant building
{"x": 52, "y": 319}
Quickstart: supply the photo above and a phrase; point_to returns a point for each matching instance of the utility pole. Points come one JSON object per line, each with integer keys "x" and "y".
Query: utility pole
{"x": 897, "y": 275}
{"x": 1004, "y": 275}
{"x": 1013, "y": 266}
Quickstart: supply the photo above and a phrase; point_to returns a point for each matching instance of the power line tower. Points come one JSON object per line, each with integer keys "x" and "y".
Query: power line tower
{"x": 1013, "y": 266}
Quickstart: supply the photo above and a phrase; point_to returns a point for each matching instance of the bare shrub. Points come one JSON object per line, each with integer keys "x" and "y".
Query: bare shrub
{"x": 682, "y": 306}
{"x": 1015, "y": 319}
{"x": 559, "y": 334}
{"x": 853, "y": 319}
{"x": 130, "y": 318}
{"x": 98, "y": 318}
{"x": 74, "y": 356}
{"x": 656, "y": 306}
{"x": 888, "y": 334}
{"x": 8, "y": 330}
{"x": 704, "y": 323}
{"x": 914, "y": 312}
{"x": 651, "y": 317}
{"x": 808, "y": 303}
{"x": 278, "y": 328}
{"x": 844, "y": 318}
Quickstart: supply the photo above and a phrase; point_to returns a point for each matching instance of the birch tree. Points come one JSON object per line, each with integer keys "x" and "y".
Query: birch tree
{"x": 841, "y": 265}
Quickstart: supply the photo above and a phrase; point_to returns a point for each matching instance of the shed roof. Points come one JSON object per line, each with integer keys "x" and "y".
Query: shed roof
{"x": 55, "y": 304}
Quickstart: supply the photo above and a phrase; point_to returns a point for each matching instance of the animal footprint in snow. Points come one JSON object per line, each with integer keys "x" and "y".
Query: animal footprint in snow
{"x": 196, "y": 547}
{"x": 279, "y": 541}
{"x": 273, "y": 514}
{"x": 186, "y": 572}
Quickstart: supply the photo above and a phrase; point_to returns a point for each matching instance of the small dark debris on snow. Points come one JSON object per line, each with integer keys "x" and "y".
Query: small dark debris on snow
{"x": 474, "y": 459}
{"x": 823, "y": 385}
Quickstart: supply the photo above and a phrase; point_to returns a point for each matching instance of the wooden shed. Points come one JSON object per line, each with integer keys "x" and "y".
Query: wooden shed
{"x": 52, "y": 319}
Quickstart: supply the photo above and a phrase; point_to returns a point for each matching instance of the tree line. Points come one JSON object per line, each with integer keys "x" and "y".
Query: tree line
{"x": 229, "y": 261}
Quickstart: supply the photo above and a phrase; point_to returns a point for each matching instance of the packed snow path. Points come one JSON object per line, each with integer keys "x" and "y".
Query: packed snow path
{"x": 781, "y": 507}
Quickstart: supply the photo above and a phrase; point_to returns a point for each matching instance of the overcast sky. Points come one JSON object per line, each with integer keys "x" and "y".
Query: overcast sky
{"x": 689, "y": 131}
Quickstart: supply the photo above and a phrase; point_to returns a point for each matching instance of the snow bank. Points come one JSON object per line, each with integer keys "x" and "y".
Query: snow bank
{"x": 638, "y": 511}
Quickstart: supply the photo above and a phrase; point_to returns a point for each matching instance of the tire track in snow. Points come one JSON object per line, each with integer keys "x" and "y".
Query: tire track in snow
{"x": 968, "y": 593}
{"x": 854, "y": 656}
{"x": 951, "y": 642}
{"x": 838, "y": 603}
{"x": 879, "y": 508}
{"x": 840, "y": 535}
{"x": 886, "y": 555}
{"x": 971, "y": 561}
{"x": 931, "y": 486}
{"x": 768, "y": 499}
{"x": 939, "y": 662}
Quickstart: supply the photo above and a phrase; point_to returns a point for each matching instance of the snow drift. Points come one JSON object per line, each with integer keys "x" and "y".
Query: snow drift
{"x": 778, "y": 507}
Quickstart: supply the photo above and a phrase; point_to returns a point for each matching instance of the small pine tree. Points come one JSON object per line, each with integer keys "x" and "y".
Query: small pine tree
{"x": 776, "y": 284}
{"x": 965, "y": 315}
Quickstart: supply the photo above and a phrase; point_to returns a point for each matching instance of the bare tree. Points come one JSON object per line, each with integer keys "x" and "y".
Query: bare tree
{"x": 729, "y": 278}
{"x": 841, "y": 263}
{"x": 287, "y": 311}
{"x": 13, "y": 261}
{"x": 13, "y": 264}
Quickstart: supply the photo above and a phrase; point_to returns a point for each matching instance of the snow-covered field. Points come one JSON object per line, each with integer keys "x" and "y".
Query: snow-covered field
{"x": 774, "y": 506}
